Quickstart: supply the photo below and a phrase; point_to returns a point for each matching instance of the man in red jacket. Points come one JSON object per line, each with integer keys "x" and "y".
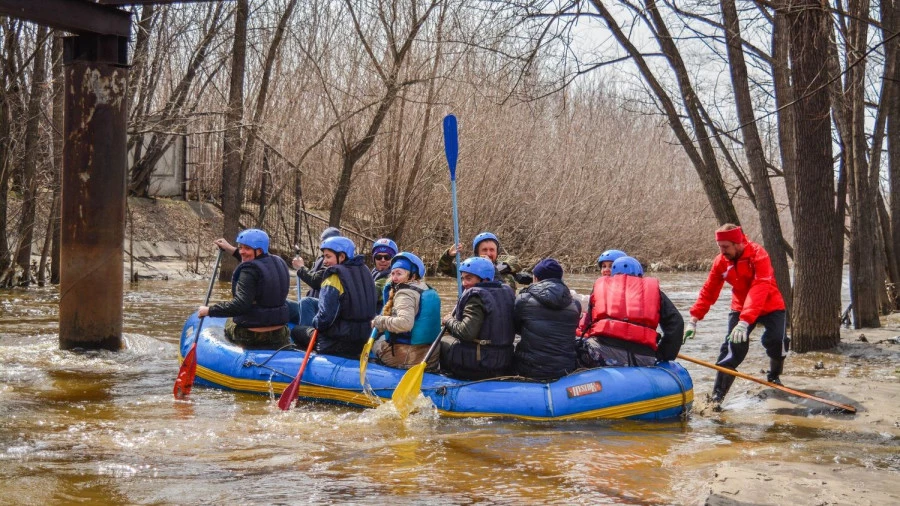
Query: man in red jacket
{"x": 755, "y": 299}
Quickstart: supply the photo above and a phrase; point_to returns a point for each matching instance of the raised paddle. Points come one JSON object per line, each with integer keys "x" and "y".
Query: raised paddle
{"x": 290, "y": 392}
{"x": 844, "y": 407}
{"x": 185, "y": 379}
{"x": 411, "y": 383}
{"x": 364, "y": 357}
{"x": 451, "y": 151}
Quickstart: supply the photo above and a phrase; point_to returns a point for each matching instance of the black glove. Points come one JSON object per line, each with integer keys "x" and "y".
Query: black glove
{"x": 503, "y": 268}
{"x": 523, "y": 278}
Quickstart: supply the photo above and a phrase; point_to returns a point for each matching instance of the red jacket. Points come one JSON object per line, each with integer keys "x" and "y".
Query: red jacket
{"x": 624, "y": 307}
{"x": 754, "y": 291}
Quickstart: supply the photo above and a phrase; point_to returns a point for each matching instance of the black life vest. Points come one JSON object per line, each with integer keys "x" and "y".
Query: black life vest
{"x": 270, "y": 300}
{"x": 353, "y": 325}
{"x": 493, "y": 352}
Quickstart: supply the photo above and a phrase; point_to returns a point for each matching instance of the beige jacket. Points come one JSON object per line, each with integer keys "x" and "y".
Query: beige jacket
{"x": 403, "y": 314}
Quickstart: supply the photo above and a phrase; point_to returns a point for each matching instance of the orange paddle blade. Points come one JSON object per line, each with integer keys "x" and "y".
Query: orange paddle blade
{"x": 290, "y": 393}
{"x": 185, "y": 379}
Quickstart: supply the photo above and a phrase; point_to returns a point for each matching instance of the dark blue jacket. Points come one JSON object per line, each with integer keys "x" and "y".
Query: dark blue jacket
{"x": 546, "y": 318}
{"x": 344, "y": 318}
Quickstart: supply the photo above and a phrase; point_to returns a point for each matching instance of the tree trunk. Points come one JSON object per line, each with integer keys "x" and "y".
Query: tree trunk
{"x": 892, "y": 287}
{"x": 31, "y": 160}
{"x": 59, "y": 102}
{"x": 817, "y": 261}
{"x": 7, "y": 95}
{"x": 765, "y": 199}
{"x": 231, "y": 168}
{"x": 784, "y": 94}
{"x": 863, "y": 243}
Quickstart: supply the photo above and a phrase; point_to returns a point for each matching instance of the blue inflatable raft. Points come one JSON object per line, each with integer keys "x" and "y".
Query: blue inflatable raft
{"x": 661, "y": 392}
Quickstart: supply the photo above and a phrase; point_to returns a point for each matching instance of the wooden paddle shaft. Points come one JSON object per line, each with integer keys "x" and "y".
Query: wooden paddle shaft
{"x": 783, "y": 388}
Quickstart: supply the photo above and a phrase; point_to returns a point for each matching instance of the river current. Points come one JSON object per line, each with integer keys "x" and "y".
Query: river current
{"x": 103, "y": 428}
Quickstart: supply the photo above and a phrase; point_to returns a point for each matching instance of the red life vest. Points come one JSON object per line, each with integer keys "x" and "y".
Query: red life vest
{"x": 627, "y": 308}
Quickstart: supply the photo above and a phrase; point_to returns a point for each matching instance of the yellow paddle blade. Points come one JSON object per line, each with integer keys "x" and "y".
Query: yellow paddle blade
{"x": 364, "y": 360}
{"x": 408, "y": 389}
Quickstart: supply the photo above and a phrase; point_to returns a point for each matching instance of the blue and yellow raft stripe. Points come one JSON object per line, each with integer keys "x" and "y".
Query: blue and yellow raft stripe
{"x": 357, "y": 398}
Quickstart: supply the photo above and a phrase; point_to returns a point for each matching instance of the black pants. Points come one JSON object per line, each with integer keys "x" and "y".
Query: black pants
{"x": 774, "y": 339}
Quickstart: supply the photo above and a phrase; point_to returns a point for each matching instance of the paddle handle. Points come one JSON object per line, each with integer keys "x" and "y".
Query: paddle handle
{"x": 738, "y": 374}
{"x": 212, "y": 283}
{"x": 456, "y": 239}
{"x": 435, "y": 344}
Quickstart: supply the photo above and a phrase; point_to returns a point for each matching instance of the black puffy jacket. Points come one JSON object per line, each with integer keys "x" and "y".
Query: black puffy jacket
{"x": 546, "y": 317}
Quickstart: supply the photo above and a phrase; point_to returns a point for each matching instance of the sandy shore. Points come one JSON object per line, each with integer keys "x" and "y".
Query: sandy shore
{"x": 864, "y": 372}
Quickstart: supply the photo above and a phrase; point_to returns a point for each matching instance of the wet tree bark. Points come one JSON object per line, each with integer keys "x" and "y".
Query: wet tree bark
{"x": 817, "y": 220}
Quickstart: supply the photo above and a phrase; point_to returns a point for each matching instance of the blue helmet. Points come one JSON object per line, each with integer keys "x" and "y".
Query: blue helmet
{"x": 416, "y": 262}
{"x": 339, "y": 244}
{"x": 254, "y": 238}
{"x": 385, "y": 245}
{"x": 627, "y": 265}
{"x": 479, "y": 266}
{"x": 484, "y": 236}
{"x": 611, "y": 255}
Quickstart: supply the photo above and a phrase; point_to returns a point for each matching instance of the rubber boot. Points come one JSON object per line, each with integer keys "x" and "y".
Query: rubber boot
{"x": 720, "y": 389}
{"x": 776, "y": 367}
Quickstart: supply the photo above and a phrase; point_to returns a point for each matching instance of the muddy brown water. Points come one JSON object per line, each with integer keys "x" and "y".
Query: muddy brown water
{"x": 103, "y": 428}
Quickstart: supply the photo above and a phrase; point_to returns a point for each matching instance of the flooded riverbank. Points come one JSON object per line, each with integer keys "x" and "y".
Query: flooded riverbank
{"x": 102, "y": 428}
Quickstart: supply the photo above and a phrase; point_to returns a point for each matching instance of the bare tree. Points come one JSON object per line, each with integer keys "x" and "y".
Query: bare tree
{"x": 765, "y": 199}
{"x": 400, "y": 26}
{"x": 818, "y": 215}
{"x": 232, "y": 178}
{"x": 31, "y": 158}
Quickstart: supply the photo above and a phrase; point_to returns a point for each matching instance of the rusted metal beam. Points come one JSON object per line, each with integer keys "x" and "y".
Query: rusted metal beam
{"x": 93, "y": 193}
{"x": 76, "y": 16}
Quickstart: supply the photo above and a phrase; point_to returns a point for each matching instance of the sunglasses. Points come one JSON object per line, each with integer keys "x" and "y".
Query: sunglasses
{"x": 382, "y": 257}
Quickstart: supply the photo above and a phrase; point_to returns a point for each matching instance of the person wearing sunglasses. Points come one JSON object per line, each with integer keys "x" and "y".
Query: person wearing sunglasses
{"x": 486, "y": 245}
{"x": 383, "y": 250}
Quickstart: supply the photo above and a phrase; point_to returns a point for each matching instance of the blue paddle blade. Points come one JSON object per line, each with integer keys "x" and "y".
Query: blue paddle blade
{"x": 451, "y": 143}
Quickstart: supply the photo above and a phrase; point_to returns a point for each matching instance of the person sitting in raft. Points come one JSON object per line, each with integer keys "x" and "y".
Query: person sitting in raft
{"x": 411, "y": 318}
{"x": 606, "y": 259}
{"x": 258, "y": 311}
{"x": 604, "y": 262}
{"x": 346, "y": 302}
{"x": 546, "y": 317}
{"x": 624, "y": 312}
{"x": 383, "y": 251}
{"x": 480, "y": 328}
{"x": 304, "y": 311}
{"x": 485, "y": 245}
